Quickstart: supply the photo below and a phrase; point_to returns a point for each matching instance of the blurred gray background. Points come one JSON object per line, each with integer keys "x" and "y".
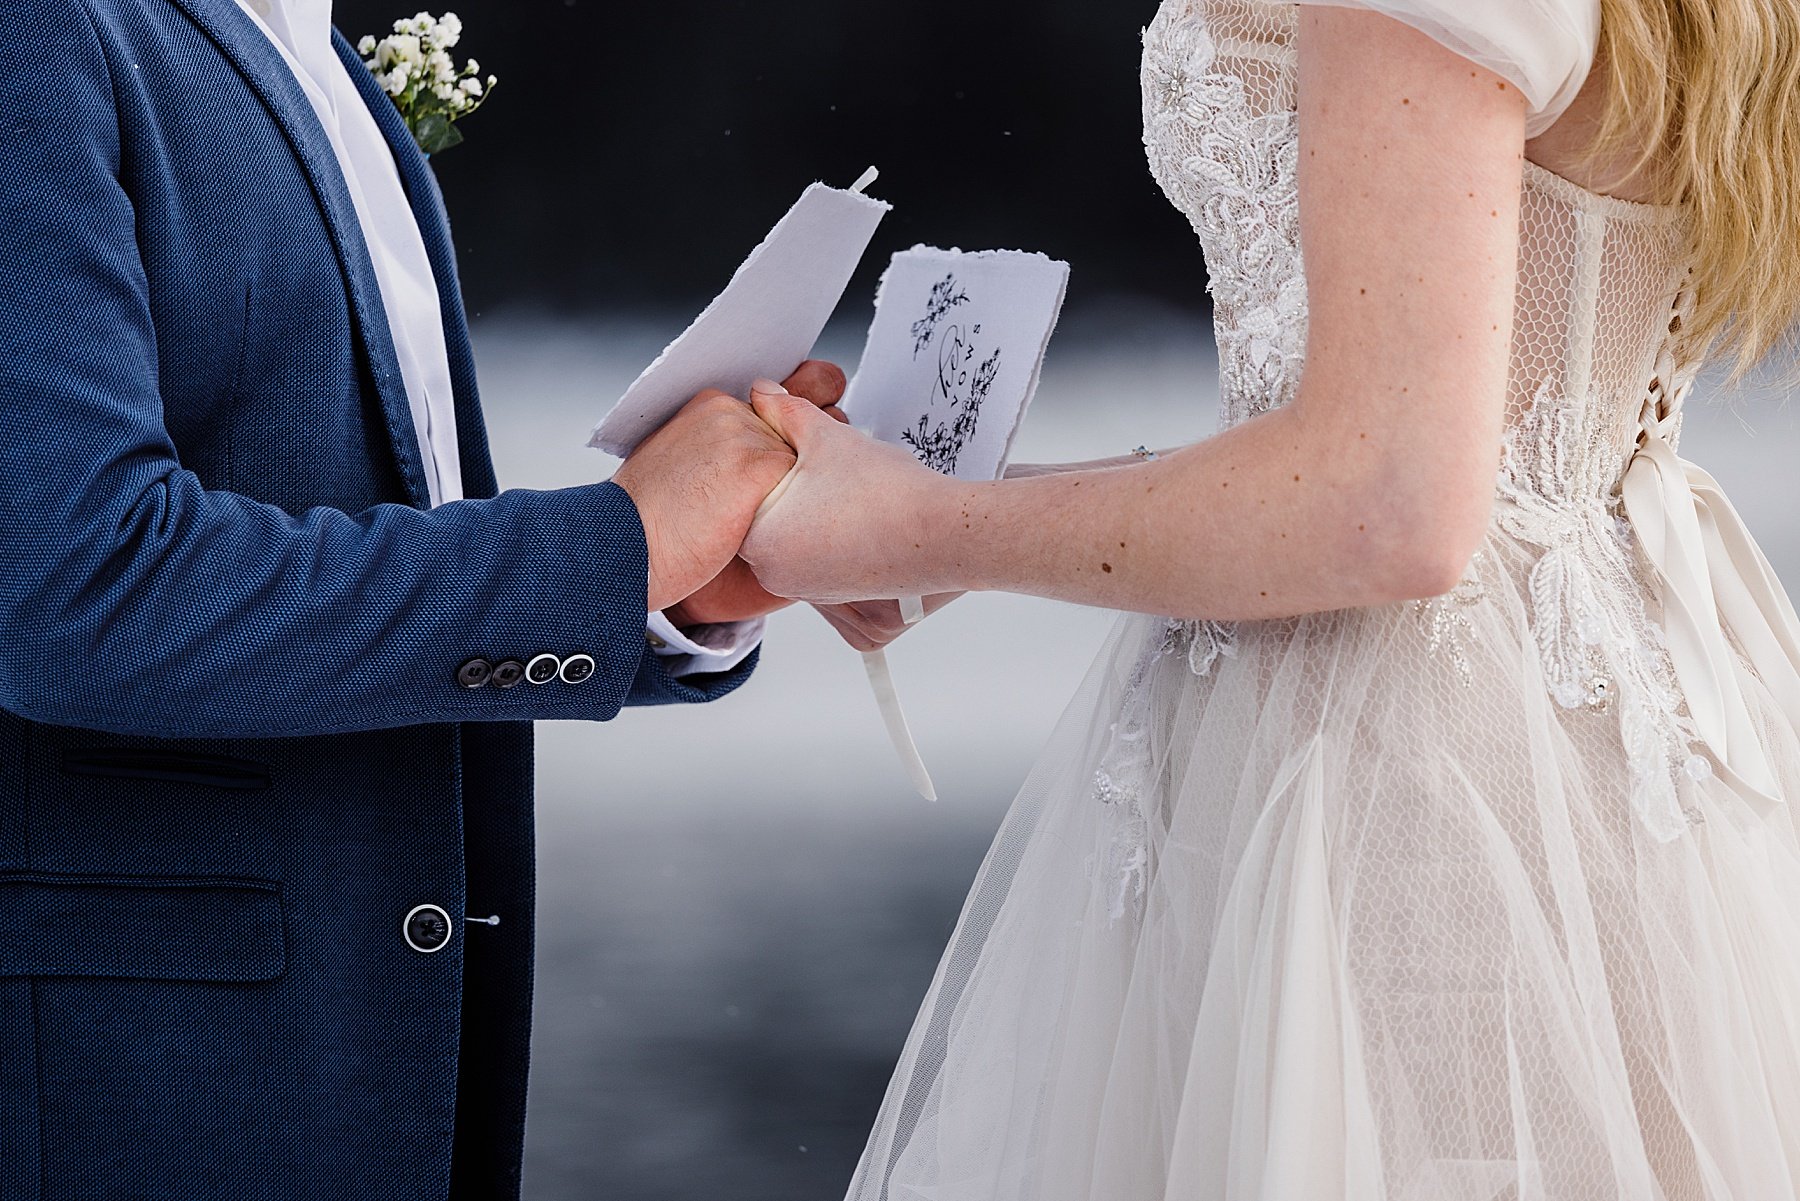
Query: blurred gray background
{"x": 741, "y": 906}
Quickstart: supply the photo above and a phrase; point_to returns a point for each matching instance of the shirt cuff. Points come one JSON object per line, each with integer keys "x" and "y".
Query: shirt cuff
{"x": 702, "y": 649}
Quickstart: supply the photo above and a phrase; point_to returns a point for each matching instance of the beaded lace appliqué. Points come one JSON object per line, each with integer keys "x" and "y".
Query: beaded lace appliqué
{"x": 1124, "y": 781}
{"x": 1233, "y": 171}
{"x": 1596, "y": 652}
{"x": 1445, "y": 620}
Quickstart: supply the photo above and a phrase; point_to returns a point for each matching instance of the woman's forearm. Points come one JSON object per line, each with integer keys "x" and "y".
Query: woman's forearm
{"x": 1268, "y": 519}
{"x": 1320, "y": 504}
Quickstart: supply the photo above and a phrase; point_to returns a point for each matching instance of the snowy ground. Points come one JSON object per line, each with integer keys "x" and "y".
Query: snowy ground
{"x": 740, "y": 906}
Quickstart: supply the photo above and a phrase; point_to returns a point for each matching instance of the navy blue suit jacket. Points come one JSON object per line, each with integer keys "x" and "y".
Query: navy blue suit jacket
{"x": 234, "y": 752}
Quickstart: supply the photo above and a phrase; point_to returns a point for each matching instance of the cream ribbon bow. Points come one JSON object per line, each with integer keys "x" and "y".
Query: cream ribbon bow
{"x": 1712, "y": 578}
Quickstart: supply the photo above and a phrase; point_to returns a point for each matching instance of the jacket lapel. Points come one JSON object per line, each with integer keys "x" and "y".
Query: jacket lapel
{"x": 434, "y": 225}
{"x": 267, "y": 73}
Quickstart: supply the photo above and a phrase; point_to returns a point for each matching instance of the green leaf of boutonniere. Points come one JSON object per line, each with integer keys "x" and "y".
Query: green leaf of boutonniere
{"x": 434, "y": 132}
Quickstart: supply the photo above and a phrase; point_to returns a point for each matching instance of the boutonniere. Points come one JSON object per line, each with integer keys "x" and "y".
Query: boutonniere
{"x": 413, "y": 65}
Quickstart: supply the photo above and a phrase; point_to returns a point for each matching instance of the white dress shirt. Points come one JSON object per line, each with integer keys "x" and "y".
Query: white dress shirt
{"x": 301, "y": 31}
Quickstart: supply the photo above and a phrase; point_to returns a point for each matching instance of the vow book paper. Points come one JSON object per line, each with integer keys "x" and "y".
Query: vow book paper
{"x": 954, "y": 354}
{"x": 765, "y": 322}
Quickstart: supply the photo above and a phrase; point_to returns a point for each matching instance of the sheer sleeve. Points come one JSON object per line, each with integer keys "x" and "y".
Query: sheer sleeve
{"x": 1543, "y": 47}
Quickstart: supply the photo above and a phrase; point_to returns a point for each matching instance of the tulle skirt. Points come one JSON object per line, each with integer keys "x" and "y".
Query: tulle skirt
{"x": 1350, "y": 907}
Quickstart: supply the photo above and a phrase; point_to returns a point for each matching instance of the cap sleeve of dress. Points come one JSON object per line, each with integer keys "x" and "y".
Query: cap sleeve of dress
{"x": 1545, "y": 48}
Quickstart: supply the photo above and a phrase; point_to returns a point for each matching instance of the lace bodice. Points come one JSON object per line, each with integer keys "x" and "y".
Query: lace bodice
{"x": 1597, "y": 376}
{"x": 1597, "y": 276}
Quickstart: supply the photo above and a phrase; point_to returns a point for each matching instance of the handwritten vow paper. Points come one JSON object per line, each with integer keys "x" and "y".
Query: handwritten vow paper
{"x": 954, "y": 354}
{"x": 765, "y": 322}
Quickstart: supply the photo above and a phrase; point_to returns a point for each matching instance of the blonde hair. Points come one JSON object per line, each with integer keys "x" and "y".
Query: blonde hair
{"x": 1705, "y": 94}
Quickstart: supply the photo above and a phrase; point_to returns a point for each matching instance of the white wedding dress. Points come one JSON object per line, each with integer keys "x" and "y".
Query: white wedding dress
{"x": 1494, "y": 897}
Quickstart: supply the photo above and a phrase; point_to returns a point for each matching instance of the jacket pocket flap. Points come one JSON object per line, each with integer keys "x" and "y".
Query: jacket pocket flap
{"x": 141, "y": 927}
{"x": 137, "y": 763}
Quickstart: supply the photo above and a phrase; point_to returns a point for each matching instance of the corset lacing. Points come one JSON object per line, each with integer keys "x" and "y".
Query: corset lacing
{"x": 1711, "y": 577}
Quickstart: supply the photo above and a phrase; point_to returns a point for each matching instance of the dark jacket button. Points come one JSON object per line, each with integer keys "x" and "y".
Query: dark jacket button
{"x": 543, "y": 669}
{"x": 475, "y": 673}
{"x": 427, "y": 929}
{"x": 508, "y": 672}
{"x": 577, "y": 668}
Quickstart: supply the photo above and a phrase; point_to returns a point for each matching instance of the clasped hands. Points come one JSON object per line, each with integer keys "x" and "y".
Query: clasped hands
{"x": 835, "y": 534}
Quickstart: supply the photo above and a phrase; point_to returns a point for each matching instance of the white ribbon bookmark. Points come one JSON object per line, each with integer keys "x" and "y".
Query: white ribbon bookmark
{"x": 881, "y": 682}
{"x": 881, "y": 679}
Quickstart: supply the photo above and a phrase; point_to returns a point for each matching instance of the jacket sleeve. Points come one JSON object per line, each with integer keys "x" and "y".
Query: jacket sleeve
{"x": 136, "y": 601}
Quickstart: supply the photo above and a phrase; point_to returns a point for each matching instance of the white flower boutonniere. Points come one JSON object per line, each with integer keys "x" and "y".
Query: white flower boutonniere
{"x": 413, "y": 65}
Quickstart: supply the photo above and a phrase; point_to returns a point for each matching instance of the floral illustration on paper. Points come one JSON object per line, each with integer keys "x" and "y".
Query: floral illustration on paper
{"x": 965, "y": 374}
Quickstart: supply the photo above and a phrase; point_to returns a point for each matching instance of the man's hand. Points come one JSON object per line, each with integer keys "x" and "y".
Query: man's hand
{"x": 734, "y": 594}
{"x": 697, "y": 482}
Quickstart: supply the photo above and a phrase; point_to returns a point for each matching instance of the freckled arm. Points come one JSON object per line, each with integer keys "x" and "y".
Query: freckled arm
{"x": 1375, "y": 484}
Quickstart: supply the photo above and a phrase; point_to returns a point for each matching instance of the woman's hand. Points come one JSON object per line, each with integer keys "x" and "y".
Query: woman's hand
{"x": 871, "y": 625}
{"x": 845, "y": 525}
{"x": 734, "y": 595}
